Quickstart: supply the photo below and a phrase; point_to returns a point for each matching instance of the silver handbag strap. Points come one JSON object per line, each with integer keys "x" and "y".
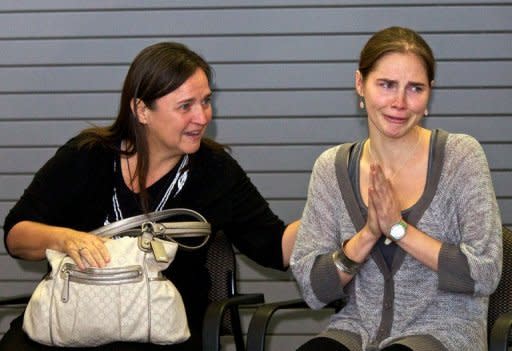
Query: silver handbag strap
{"x": 168, "y": 230}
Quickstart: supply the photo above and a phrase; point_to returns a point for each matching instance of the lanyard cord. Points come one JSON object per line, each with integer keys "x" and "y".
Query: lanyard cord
{"x": 179, "y": 180}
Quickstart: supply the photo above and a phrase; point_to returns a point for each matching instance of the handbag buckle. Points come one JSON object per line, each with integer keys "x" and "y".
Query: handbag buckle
{"x": 148, "y": 230}
{"x": 147, "y": 242}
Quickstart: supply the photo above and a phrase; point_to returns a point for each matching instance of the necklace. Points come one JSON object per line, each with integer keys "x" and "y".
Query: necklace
{"x": 130, "y": 176}
{"x": 404, "y": 163}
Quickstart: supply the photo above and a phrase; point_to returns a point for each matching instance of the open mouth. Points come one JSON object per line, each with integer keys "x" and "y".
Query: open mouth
{"x": 193, "y": 133}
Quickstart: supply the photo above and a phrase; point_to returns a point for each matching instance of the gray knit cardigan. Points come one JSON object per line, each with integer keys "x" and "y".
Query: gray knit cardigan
{"x": 450, "y": 305}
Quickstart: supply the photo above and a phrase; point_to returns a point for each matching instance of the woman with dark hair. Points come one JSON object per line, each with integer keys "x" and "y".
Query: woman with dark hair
{"x": 404, "y": 225}
{"x": 153, "y": 157}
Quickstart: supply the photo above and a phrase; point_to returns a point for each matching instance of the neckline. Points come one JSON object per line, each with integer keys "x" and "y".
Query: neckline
{"x": 166, "y": 178}
{"x": 356, "y": 155}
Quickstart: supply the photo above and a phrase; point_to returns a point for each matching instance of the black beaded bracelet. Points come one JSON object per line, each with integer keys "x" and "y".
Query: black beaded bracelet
{"x": 343, "y": 263}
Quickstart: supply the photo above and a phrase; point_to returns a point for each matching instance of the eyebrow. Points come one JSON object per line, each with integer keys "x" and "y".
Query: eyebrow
{"x": 395, "y": 81}
{"x": 193, "y": 99}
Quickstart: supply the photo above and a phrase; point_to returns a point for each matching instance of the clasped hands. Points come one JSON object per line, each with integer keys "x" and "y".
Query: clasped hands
{"x": 383, "y": 204}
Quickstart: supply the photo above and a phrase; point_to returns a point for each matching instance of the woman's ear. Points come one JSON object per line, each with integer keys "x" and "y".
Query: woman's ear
{"x": 139, "y": 109}
{"x": 359, "y": 83}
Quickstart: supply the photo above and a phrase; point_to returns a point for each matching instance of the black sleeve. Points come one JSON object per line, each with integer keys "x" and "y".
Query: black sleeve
{"x": 255, "y": 230}
{"x": 60, "y": 192}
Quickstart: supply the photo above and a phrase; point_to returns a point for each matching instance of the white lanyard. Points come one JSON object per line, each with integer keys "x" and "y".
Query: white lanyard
{"x": 179, "y": 180}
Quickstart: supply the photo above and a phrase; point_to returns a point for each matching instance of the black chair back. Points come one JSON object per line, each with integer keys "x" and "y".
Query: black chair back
{"x": 500, "y": 301}
{"x": 221, "y": 265}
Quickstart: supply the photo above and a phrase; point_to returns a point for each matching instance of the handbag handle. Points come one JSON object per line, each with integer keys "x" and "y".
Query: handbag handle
{"x": 169, "y": 230}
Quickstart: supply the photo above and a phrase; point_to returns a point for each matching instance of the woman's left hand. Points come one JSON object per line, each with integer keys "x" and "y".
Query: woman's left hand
{"x": 384, "y": 199}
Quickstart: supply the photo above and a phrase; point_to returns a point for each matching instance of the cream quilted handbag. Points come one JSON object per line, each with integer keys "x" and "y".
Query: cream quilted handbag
{"x": 128, "y": 300}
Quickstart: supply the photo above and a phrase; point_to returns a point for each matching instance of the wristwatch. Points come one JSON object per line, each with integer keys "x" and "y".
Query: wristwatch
{"x": 398, "y": 230}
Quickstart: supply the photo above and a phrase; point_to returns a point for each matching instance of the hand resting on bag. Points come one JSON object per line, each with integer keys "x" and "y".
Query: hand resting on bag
{"x": 87, "y": 250}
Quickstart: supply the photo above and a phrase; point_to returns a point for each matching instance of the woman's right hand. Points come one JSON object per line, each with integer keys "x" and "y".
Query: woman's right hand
{"x": 29, "y": 240}
{"x": 372, "y": 221}
{"x": 87, "y": 250}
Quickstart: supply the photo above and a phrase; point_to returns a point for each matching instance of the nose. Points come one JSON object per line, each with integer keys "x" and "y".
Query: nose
{"x": 202, "y": 114}
{"x": 400, "y": 99}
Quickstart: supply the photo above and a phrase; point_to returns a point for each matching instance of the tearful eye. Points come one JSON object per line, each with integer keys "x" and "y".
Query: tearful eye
{"x": 417, "y": 88}
{"x": 207, "y": 101}
{"x": 184, "y": 107}
{"x": 387, "y": 84}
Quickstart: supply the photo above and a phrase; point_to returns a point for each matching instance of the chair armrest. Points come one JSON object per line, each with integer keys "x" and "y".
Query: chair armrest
{"x": 14, "y": 301}
{"x": 258, "y": 326}
{"x": 500, "y": 332}
{"x": 215, "y": 313}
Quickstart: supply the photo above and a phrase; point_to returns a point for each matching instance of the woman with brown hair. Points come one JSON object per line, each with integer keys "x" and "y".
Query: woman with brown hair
{"x": 404, "y": 225}
{"x": 153, "y": 157}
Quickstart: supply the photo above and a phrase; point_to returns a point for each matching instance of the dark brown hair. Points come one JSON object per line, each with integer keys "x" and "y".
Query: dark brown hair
{"x": 396, "y": 40}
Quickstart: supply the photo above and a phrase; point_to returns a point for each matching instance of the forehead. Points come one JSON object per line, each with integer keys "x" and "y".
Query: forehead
{"x": 399, "y": 65}
{"x": 196, "y": 86}
{"x": 196, "y": 83}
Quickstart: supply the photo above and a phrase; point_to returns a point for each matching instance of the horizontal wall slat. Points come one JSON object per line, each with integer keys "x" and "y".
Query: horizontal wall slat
{"x": 291, "y": 185}
{"x": 34, "y": 5}
{"x": 336, "y": 130}
{"x": 19, "y": 270}
{"x": 16, "y": 288}
{"x": 314, "y": 48}
{"x": 249, "y": 270}
{"x": 256, "y": 76}
{"x": 16, "y": 270}
{"x": 253, "y": 158}
{"x": 282, "y": 158}
{"x": 252, "y": 104}
{"x": 288, "y": 210}
{"x": 271, "y": 131}
{"x": 262, "y": 21}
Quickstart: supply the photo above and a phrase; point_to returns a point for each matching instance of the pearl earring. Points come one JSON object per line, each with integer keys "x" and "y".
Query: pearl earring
{"x": 426, "y": 112}
{"x": 361, "y": 103}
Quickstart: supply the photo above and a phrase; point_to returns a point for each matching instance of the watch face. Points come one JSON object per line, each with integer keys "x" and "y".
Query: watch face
{"x": 397, "y": 231}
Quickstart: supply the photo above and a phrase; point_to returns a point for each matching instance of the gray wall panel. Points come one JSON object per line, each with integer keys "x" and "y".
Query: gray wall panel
{"x": 56, "y": 5}
{"x": 315, "y": 48}
{"x": 251, "y": 21}
{"x": 284, "y": 81}
{"x": 252, "y": 104}
{"x": 290, "y": 210}
{"x": 271, "y": 186}
{"x": 255, "y": 76}
{"x": 271, "y": 131}
{"x": 252, "y": 158}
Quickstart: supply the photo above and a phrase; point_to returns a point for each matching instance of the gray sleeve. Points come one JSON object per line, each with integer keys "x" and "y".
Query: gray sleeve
{"x": 325, "y": 280}
{"x": 325, "y": 223}
{"x": 453, "y": 270}
{"x": 478, "y": 230}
